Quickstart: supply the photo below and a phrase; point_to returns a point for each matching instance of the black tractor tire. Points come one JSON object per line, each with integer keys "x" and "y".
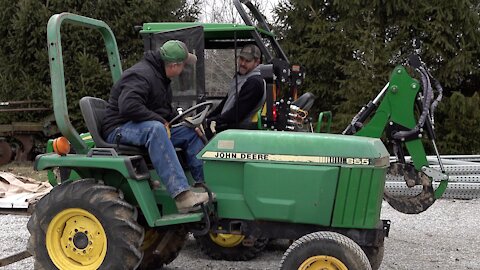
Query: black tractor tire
{"x": 58, "y": 229}
{"x": 175, "y": 239}
{"x": 238, "y": 252}
{"x": 374, "y": 255}
{"x": 329, "y": 249}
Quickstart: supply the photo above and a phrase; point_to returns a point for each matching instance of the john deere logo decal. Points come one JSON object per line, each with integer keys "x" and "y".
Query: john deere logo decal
{"x": 286, "y": 158}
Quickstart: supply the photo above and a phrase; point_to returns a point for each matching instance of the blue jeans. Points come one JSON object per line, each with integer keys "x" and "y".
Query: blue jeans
{"x": 153, "y": 136}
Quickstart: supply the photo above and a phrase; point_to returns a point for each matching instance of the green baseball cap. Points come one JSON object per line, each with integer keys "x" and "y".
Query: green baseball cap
{"x": 175, "y": 51}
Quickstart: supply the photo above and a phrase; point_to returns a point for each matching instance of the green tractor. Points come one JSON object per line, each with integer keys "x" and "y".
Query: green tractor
{"x": 324, "y": 191}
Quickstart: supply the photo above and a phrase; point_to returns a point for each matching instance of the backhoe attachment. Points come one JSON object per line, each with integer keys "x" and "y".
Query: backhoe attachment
{"x": 411, "y": 204}
{"x": 403, "y": 113}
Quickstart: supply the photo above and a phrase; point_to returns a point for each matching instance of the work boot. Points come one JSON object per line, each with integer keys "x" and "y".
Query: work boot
{"x": 189, "y": 201}
{"x": 203, "y": 186}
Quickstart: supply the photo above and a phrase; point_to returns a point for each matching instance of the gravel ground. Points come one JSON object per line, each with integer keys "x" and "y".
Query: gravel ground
{"x": 444, "y": 237}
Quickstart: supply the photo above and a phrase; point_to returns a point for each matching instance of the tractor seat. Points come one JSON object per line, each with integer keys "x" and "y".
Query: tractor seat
{"x": 93, "y": 111}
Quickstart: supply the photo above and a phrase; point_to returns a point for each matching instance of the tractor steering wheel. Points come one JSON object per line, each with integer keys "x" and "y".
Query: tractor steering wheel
{"x": 196, "y": 119}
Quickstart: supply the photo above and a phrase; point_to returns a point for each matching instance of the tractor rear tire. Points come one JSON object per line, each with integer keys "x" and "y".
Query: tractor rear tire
{"x": 85, "y": 225}
{"x": 324, "y": 250}
{"x": 374, "y": 255}
{"x": 214, "y": 246}
{"x": 175, "y": 239}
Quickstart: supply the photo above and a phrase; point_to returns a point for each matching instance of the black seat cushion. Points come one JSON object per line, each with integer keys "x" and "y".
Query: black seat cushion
{"x": 93, "y": 111}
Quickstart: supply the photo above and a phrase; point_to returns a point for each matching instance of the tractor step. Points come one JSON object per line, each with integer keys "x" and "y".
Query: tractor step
{"x": 178, "y": 219}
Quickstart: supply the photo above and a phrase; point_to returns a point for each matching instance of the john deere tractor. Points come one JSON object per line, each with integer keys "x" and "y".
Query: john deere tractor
{"x": 109, "y": 210}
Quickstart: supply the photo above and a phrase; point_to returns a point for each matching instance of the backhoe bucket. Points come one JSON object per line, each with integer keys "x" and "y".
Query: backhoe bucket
{"x": 411, "y": 204}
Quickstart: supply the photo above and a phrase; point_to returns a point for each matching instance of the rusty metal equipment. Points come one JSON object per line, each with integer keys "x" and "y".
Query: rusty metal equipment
{"x": 22, "y": 141}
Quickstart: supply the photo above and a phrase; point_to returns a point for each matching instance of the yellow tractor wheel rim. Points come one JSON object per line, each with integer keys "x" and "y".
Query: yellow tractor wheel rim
{"x": 76, "y": 240}
{"x": 227, "y": 240}
{"x": 322, "y": 263}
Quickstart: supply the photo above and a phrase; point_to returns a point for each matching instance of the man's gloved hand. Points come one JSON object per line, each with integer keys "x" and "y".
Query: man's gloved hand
{"x": 210, "y": 128}
{"x": 188, "y": 119}
{"x": 167, "y": 128}
{"x": 188, "y": 122}
{"x": 211, "y": 125}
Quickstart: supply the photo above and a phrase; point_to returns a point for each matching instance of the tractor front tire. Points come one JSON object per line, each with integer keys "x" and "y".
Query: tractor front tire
{"x": 84, "y": 225}
{"x": 170, "y": 242}
{"x": 230, "y": 247}
{"x": 324, "y": 250}
{"x": 374, "y": 255}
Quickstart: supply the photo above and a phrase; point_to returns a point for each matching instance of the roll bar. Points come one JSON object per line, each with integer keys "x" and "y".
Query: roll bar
{"x": 57, "y": 75}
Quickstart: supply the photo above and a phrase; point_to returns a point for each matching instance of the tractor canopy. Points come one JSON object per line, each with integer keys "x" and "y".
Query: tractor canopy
{"x": 214, "y": 44}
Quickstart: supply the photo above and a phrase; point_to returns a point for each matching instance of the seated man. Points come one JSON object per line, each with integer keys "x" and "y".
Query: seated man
{"x": 138, "y": 113}
{"x": 248, "y": 84}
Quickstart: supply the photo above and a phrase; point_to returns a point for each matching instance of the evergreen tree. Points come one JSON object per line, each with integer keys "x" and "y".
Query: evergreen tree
{"x": 350, "y": 47}
{"x": 24, "y": 68}
{"x": 459, "y": 128}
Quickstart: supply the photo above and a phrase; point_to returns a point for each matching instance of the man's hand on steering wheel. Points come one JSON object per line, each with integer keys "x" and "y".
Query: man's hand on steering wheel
{"x": 194, "y": 120}
{"x": 210, "y": 128}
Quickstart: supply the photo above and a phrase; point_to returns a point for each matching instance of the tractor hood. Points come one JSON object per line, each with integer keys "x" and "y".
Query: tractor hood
{"x": 295, "y": 147}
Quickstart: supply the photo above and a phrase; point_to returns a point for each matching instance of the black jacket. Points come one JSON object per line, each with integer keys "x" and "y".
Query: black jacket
{"x": 248, "y": 98}
{"x": 143, "y": 93}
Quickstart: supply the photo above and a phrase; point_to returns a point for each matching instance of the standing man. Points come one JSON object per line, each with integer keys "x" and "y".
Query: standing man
{"x": 249, "y": 86}
{"x": 138, "y": 113}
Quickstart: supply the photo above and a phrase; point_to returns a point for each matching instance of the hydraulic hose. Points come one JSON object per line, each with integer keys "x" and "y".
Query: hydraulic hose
{"x": 439, "y": 89}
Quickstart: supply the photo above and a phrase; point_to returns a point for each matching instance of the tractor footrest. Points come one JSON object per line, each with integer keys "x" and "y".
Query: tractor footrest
{"x": 178, "y": 219}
